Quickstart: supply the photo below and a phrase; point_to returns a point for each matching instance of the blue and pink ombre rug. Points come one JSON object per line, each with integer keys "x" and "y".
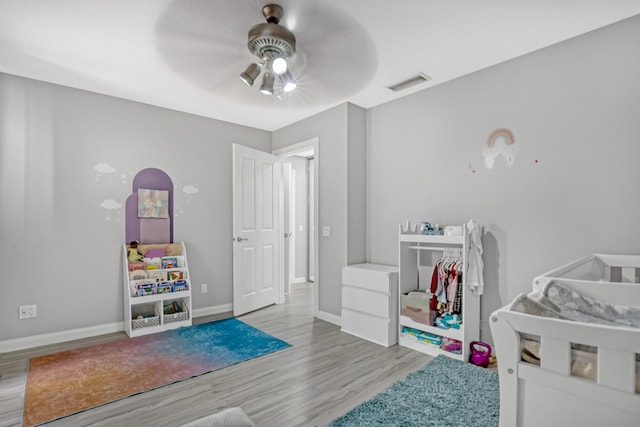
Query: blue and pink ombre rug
{"x": 65, "y": 383}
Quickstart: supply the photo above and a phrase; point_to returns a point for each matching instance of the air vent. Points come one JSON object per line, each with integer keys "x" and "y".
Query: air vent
{"x": 406, "y": 84}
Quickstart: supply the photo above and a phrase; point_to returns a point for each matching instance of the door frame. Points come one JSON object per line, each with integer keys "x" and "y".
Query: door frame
{"x": 288, "y": 220}
{"x": 282, "y": 153}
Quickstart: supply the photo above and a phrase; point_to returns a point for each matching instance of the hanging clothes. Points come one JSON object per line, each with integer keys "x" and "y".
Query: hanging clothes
{"x": 445, "y": 291}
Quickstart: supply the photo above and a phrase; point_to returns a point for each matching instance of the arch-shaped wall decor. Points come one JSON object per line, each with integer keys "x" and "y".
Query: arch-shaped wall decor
{"x": 149, "y": 230}
{"x": 508, "y": 150}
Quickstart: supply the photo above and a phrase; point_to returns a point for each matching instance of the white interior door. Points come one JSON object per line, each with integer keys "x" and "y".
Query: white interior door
{"x": 255, "y": 229}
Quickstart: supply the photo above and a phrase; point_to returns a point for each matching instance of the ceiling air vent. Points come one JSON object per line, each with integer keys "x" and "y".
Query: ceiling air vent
{"x": 415, "y": 80}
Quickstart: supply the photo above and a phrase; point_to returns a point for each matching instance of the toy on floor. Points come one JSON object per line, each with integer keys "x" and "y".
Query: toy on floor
{"x": 133, "y": 253}
{"x": 480, "y": 353}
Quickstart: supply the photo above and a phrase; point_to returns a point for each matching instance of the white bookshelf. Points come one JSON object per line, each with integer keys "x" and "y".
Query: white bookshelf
{"x": 144, "y": 312}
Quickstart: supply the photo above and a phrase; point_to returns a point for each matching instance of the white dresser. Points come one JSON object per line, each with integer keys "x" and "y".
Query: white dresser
{"x": 370, "y": 302}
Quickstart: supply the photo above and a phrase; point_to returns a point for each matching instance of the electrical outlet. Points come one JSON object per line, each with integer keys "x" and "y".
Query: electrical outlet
{"x": 27, "y": 311}
{"x": 205, "y": 288}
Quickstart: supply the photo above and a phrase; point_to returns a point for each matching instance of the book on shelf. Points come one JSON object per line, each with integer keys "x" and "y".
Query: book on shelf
{"x": 169, "y": 262}
{"x": 175, "y": 275}
{"x": 164, "y": 287}
{"x": 145, "y": 289}
{"x": 180, "y": 285}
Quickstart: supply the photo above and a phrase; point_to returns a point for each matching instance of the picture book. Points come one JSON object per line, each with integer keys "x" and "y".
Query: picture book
{"x": 157, "y": 276}
{"x": 169, "y": 262}
{"x": 164, "y": 287}
{"x": 175, "y": 275}
{"x": 145, "y": 289}
{"x": 180, "y": 285}
{"x": 137, "y": 275}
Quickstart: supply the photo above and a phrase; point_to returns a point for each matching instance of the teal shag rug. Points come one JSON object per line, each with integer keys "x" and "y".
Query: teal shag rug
{"x": 444, "y": 392}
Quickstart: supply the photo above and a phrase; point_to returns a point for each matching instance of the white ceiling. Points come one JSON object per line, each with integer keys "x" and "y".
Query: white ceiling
{"x": 186, "y": 54}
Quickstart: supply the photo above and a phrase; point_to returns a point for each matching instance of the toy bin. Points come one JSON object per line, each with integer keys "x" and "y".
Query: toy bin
{"x": 175, "y": 311}
{"x": 415, "y": 305}
{"x": 145, "y": 316}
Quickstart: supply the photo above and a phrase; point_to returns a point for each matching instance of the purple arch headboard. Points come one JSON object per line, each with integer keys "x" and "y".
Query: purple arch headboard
{"x": 149, "y": 230}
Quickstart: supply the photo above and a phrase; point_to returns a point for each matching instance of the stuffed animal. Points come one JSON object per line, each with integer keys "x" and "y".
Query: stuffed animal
{"x": 133, "y": 253}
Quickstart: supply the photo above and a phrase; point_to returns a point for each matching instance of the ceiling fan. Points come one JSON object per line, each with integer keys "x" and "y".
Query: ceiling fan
{"x": 208, "y": 42}
{"x": 273, "y": 45}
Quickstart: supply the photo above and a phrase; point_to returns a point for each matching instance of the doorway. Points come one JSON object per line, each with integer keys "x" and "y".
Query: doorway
{"x": 298, "y": 223}
{"x": 299, "y": 213}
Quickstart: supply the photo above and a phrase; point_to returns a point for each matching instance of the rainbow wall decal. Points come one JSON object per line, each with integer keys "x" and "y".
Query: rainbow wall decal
{"x": 492, "y": 150}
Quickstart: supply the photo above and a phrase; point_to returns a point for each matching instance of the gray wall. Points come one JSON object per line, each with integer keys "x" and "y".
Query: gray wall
{"x": 333, "y": 129}
{"x": 356, "y": 184}
{"x": 573, "y": 109}
{"x": 59, "y": 248}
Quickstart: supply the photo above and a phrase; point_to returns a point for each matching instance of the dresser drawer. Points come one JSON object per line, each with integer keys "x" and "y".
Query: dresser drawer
{"x": 370, "y": 276}
{"x": 366, "y": 301}
{"x": 372, "y": 328}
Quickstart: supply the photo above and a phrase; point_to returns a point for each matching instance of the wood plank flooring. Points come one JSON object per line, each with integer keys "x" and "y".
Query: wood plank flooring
{"x": 324, "y": 374}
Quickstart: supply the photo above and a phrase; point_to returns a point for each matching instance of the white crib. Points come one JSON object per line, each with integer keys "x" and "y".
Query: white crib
{"x": 549, "y": 393}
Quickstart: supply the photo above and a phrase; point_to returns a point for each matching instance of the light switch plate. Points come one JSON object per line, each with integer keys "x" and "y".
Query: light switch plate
{"x": 326, "y": 231}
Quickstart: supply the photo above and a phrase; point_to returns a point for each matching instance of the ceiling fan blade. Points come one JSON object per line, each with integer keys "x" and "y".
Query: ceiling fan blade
{"x": 205, "y": 42}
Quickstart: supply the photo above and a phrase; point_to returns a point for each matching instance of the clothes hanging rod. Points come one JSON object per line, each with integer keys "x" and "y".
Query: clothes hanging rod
{"x": 429, "y": 248}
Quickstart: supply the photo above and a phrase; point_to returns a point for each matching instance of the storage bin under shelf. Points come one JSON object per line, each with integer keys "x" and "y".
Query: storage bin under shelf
{"x": 453, "y": 333}
{"x": 150, "y": 317}
{"x": 431, "y": 349}
{"x": 178, "y": 316}
{"x": 175, "y": 317}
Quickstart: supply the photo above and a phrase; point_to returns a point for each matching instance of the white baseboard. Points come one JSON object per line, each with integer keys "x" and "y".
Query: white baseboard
{"x": 88, "y": 332}
{"x": 299, "y": 280}
{"x": 58, "y": 337}
{"x": 329, "y": 317}
{"x": 216, "y": 309}
{"x": 300, "y": 285}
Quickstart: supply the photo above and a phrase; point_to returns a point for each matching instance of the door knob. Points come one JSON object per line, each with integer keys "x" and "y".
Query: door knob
{"x": 240, "y": 239}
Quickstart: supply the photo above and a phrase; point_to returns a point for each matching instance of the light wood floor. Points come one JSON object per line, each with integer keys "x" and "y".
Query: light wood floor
{"x": 323, "y": 375}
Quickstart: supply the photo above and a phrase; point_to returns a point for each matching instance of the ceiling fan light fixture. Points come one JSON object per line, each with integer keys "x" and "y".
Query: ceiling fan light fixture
{"x": 266, "y": 88}
{"x": 272, "y": 44}
{"x": 279, "y": 65}
{"x": 250, "y": 74}
{"x": 288, "y": 84}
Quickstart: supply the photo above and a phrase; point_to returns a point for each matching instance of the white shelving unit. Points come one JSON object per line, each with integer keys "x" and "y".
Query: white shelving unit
{"x": 418, "y": 250}
{"x": 151, "y": 307}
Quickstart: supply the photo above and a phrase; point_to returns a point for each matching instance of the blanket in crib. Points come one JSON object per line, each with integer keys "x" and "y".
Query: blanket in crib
{"x": 563, "y": 303}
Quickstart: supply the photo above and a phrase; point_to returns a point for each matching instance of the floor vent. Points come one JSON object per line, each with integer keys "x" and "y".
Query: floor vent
{"x": 415, "y": 80}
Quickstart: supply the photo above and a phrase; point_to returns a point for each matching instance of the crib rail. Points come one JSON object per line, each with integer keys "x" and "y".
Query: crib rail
{"x": 595, "y": 268}
{"x": 617, "y": 348}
